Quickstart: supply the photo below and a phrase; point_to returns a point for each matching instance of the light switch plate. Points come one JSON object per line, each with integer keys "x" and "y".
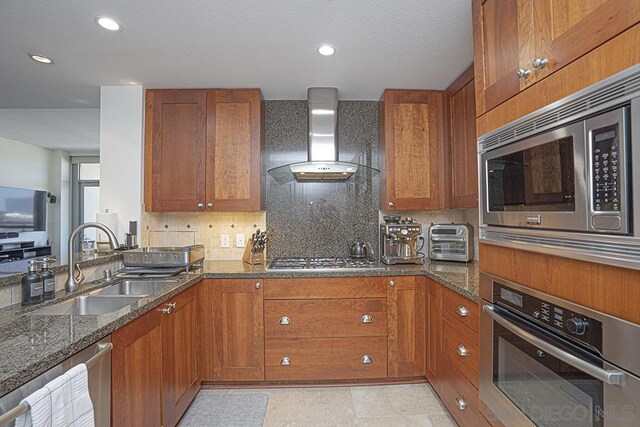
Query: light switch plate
{"x": 224, "y": 241}
{"x": 239, "y": 240}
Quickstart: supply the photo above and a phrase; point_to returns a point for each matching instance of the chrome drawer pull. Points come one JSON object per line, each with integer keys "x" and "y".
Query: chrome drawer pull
{"x": 366, "y": 319}
{"x": 462, "y": 351}
{"x": 284, "y": 320}
{"x": 171, "y": 305}
{"x": 366, "y": 359}
{"x": 258, "y": 285}
{"x": 166, "y": 310}
{"x": 285, "y": 361}
{"x": 392, "y": 283}
{"x": 462, "y": 311}
{"x": 460, "y": 403}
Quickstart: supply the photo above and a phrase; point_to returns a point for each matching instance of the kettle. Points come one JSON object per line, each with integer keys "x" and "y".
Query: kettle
{"x": 359, "y": 249}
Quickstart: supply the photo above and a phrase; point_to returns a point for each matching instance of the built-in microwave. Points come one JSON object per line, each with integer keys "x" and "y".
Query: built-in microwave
{"x": 574, "y": 177}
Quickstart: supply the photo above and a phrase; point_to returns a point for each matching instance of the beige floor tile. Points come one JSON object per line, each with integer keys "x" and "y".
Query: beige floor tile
{"x": 326, "y": 404}
{"x": 385, "y": 401}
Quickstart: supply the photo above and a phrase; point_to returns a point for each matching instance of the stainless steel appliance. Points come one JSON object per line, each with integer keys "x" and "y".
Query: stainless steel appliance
{"x": 97, "y": 357}
{"x": 399, "y": 242}
{"x": 547, "y": 362}
{"x": 320, "y": 263}
{"x": 561, "y": 179}
{"x": 359, "y": 249}
{"x": 169, "y": 257}
{"x": 450, "y": 242}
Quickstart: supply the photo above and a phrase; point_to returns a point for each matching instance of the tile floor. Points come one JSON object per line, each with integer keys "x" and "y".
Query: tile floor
{"x": 390, "y": 405}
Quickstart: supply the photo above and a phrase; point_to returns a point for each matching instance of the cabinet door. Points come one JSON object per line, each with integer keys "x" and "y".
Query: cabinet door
{"x": 462, "y": 142}
{"x": 234, "y": 148}
{"x": 180, "y": 372}
{"x": 175, "y": 150}
{"x": 567, "y": 29}
{"x": 406, "y": 320}
{"x": 503, "y": 43}
{"x": 412, "y": 150}
{"x": 238, "y": 330}
{"x": 434, "y": 322}
{"x": 136, "y": 380}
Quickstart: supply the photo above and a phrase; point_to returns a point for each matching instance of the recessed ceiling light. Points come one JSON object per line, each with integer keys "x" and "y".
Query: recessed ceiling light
{"x": 40, "y": 58}
{"x": 326, "y": 50}
{"x": 108, "y": 23}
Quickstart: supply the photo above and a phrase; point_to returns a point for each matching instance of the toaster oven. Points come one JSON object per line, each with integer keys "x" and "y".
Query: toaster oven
{"x": 451, "y": 242}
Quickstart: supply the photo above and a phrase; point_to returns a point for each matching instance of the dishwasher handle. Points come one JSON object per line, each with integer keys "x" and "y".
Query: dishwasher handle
{"x": 606, "y": 376}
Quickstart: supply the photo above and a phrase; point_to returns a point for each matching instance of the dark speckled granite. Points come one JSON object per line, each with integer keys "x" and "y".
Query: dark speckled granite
{"x": 32, "y": 344}
{"x": 321, "y": 219}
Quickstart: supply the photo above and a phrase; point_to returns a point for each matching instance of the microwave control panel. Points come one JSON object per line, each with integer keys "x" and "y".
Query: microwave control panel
{"x": 605, "y": 156}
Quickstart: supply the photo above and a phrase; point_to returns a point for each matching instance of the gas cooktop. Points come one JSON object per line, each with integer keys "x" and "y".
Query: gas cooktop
{"x": 318, "y": 263}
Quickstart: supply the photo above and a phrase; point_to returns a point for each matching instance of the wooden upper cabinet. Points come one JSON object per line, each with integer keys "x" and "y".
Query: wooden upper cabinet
{"x": 538, "y": 37}
{"x": 203, "y": 150}
{"x": 463, "y": 151}
{"x": 234, "y": 149}
{"x": 180, "y": 362}
{"x": 564, "y": 30}
{"x": 238, "y": 330}
{"x": 412, "y": 150}
{"x": 406, "y": 327}
{"x": 175, "y": 149}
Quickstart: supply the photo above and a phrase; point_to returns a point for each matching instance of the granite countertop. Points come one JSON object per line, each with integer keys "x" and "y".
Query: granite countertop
{"x": 33, "y": 344}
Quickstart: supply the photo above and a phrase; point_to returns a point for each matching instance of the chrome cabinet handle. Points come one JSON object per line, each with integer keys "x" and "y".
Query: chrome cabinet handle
{"x": 165, "y": 310}
{"x": 284, "y": 320}
{"x": 285, "y": 361}
{"x": 258, "y": 285}
{"x": 200, "y": 205}
{"x": 366, "y": 319}
{"x": 171, "y": 305}
{"x": 209, "y": 205}
{"x": 366, "y": 360}
{"x": 392, "y": 283}
{"x": 523, "y": 73}
{"x": 462, "y": 350}
{"x": 391, "y": 204}
{"x": 460, "y": 403}
{"x": 540, "y": 63}
{"x": 607, "y": 376}
{"x": 462, "y": 311}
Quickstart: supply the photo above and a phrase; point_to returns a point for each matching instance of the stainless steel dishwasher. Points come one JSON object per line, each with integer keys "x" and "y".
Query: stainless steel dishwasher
{"x": 97, "y": 357}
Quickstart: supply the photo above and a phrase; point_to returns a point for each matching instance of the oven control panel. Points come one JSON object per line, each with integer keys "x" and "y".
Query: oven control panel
{"x": 605, "y": 155}
{"x": 568, "y": 322}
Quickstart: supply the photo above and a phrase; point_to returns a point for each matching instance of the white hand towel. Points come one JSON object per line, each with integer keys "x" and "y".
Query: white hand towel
{"x": 63, "y": 402}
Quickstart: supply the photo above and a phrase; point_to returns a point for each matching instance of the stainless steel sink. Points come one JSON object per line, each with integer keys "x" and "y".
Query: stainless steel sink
{"x": 135, "y": 287}
{"x": 87, "y": 305}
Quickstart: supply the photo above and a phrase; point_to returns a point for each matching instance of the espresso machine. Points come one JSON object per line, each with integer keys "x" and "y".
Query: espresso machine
{"x": 401, "y": 241}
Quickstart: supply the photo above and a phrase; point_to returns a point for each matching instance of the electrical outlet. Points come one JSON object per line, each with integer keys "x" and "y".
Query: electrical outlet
{"x": 239, "y": 240}
{"x": 224, "y": 241}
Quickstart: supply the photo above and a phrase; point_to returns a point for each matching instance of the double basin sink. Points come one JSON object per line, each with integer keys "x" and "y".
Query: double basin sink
{"x": 105, "y": 300}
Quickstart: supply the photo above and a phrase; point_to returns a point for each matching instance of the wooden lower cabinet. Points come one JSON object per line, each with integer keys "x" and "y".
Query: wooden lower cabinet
{"x": 238, "y": 330}
{"x": 433, "y": 292}
{"x": 326, "y": 358}
{"x": 459, "y": 395}
{"x": 154, "y": 365}
{"x": 406, "y": 326}
{"x": 136, "y": 364}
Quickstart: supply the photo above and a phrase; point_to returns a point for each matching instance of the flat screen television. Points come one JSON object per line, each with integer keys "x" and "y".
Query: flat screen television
{"x": 22, "y": 209}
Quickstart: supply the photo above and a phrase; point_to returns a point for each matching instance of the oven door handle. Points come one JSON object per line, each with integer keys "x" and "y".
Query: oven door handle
{"x": 608, "y": 377}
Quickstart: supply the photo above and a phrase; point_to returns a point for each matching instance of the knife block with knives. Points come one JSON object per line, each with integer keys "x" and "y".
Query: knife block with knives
{"x": 254, "y": 251}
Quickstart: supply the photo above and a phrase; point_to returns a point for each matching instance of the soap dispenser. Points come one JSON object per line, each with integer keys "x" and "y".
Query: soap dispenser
{"x": 49, "y": 279}
{"x": 32, "y": 286}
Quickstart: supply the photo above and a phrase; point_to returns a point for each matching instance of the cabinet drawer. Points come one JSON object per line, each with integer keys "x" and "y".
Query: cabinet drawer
{"x": 325, "y": 358}
{"x": 461, "y": 308}
{"x": 459, "y": 395}
{"x": 345, "y": 287}
{"x": 461, "y": 345}
{"x": 325, "y": 318}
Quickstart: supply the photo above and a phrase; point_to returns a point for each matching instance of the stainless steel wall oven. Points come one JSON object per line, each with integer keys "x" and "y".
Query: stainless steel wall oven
{"x": 547, "y": 362}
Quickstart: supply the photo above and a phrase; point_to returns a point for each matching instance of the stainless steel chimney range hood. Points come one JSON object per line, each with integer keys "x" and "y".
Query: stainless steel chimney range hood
{"x": 322, "y": 150}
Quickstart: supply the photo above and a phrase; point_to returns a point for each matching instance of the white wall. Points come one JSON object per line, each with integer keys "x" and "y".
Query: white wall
{"x": 26, "y": 166}
{"x": 121, "y": 129}
{"x": 60, "y": 212}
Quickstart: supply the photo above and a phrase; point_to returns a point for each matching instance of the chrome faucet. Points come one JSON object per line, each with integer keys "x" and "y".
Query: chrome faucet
{"x": 73, "y": 281}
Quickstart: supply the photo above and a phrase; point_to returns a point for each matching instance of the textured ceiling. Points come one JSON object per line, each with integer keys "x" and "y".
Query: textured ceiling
{"x": 74, "y": 130}
{"x": 229, "y": 43}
